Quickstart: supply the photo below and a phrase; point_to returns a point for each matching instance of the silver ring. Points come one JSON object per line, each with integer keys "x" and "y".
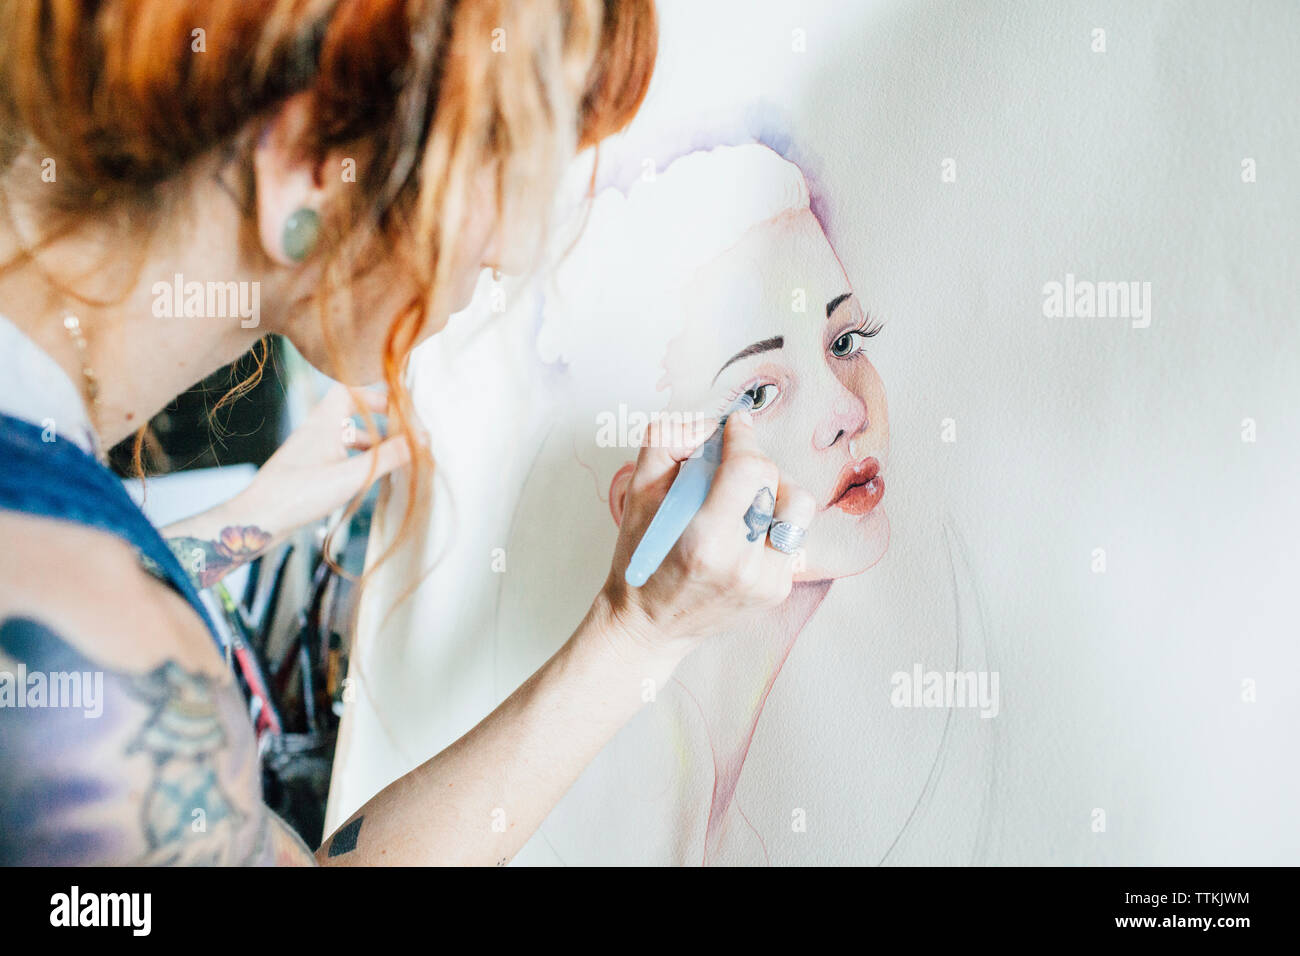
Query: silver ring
{"x": 786, "y": 537}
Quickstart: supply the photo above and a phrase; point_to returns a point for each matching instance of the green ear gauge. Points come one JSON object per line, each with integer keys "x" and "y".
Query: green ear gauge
{"x": 301, "y": 230}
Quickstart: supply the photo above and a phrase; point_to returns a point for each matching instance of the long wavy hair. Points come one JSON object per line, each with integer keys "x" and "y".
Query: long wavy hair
{"x": 436, "y": 90}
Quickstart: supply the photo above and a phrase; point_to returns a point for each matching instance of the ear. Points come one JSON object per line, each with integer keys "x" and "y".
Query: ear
{"x": 618, "y": 491}
{"x": 285, "y": 182}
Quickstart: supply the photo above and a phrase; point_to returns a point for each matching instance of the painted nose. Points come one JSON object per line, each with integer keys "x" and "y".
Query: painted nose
{"x": 848, "y": 416}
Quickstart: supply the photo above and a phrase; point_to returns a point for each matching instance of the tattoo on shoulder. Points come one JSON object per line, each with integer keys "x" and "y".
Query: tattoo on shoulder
{"x": 182, "y": 737}
{"x": 345, "y": 838}
{"x": 103, "y": 765}
{"x": 208, "y": 561}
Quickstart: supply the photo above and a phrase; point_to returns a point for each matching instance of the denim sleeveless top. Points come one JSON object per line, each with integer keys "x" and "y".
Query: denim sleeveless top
{"x": 57, "y": 479}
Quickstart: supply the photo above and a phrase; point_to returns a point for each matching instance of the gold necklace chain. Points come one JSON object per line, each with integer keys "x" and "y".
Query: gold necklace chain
{"x": 89, "y": 380}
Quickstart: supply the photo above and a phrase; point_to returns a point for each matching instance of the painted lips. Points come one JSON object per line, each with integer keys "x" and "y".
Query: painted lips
{"x": 859, "y": 488}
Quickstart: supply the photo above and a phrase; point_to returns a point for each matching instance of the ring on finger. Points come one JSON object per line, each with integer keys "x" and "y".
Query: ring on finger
{"x": 786, "y": 536}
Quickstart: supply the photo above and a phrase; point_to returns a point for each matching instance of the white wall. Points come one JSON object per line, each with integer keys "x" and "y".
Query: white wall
{"x": 1122, "y": 690}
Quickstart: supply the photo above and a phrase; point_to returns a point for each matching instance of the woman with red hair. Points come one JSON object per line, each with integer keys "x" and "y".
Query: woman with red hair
{"x": 344, "y": 170}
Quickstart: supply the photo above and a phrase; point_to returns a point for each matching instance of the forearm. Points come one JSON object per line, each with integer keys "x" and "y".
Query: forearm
{"x": 212, "y": 544}
{"x": 480, "y": 799}
{"x": 328, "y": 462}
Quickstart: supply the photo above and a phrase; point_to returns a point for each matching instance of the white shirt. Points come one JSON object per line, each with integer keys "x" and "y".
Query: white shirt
{"x": 35, "y": 388}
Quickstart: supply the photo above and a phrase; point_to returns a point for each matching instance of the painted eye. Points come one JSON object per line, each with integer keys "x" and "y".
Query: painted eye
{"x": 847, "y": 344}
{"x": 763, "y": 395}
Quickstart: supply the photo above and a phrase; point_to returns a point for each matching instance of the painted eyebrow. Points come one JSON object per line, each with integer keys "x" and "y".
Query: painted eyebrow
{"x": 767, "y": 345}
{"x": 834, "y": 303}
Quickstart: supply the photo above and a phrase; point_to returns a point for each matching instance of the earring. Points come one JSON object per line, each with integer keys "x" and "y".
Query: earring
{"x": 301, "y": 230}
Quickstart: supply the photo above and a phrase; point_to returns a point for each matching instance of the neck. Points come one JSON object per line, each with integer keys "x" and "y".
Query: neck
{"x": 751, "y": 673}
{"x": 143, "y": 347}
{"x": 767, "y": 645}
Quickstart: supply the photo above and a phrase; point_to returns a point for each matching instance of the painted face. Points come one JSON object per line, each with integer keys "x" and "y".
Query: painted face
{"x": 775, "y": 316}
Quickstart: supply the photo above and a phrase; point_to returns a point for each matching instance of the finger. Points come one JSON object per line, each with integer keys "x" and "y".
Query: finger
{"x": 337, "y": 402}
{"x": 666, "y": 447}
{"x": 758, "y": 517}
{"x": 393, "y": 453}
{"x": 745, "y": 486}
{"x": 776, "y": 576}
{"x": 364, "y": 435}
{"x": 344, "y": 401}
{"x": 338, "y": 409}
{"x": 793, "y": 514}
{"x": 369, "y": 409}
{"x": 794, "y": 511}
{"x": 662, "y": 452}
{"x": 372, "y": 400}
{"x": 360, "y": 439}
{"x": 739, "y": 438}
{"x": 382, "y": 460}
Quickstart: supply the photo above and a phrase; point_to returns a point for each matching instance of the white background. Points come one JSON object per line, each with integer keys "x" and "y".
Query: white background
{"x": 1122, "y": 690}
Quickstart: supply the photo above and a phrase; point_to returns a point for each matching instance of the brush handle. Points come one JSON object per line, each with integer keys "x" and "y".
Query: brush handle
{"x": 684, "y": 499}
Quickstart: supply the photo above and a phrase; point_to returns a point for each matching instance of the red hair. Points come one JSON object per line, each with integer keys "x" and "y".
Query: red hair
{"x": 120, "y": 95}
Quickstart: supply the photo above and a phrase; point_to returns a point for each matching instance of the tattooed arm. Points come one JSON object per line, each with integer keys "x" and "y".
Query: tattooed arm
{"x": 154, "y": 761}
{"x": 167, "y": 771}
{"x": 123, "y": 739}
{"x": 209, "y": 549}
{"x": 481, "y": 798}
{"x": 308, "y": 477}
{"x": 79, "y": 737}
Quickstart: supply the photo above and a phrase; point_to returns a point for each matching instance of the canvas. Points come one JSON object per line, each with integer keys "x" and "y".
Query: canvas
{"x": 1013, "y": 290}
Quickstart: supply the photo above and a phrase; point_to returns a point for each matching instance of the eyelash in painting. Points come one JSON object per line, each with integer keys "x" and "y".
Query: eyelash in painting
{"x": 736, "y": 393}
{"x": 869, "y": 328}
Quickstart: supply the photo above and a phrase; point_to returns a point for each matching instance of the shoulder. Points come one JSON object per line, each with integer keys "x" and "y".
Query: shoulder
{"x": 123, "y": 738}
{"x": 89, "y": 585}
